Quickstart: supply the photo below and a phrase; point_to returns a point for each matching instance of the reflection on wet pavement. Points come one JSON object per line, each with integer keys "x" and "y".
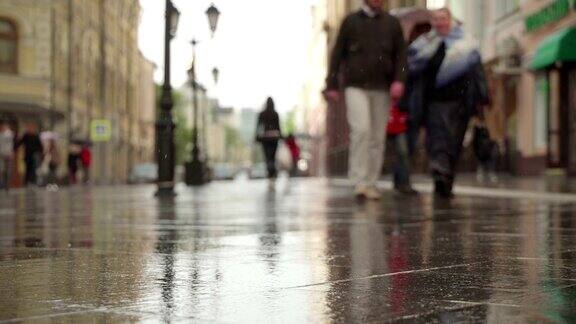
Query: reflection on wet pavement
{"x": 236, "y": 252}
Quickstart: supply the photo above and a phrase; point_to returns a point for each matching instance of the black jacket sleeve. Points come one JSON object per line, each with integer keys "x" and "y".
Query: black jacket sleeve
{"x": 400, "y": 52}
{"x": 339, "y": 53}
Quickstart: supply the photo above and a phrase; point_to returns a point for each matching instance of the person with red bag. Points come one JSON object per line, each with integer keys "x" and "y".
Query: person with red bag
{"x": 396, "y": 130}
{"x": 86, "y": 161}
{"x": 294, "y": 153}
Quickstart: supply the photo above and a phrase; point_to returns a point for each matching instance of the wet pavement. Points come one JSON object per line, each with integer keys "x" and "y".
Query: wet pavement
{"x": 235, "y": 252}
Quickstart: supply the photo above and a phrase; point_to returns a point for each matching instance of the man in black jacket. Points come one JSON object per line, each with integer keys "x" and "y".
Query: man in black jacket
{"x": 371, "y": 52}
{"x": 32, "y": 153}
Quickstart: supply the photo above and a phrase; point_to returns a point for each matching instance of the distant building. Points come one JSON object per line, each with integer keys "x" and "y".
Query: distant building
{"x": 247, "y": 127}
{"x": 146, "y": 113}
{"x": 66, "y": 63}
{"x": 312, "y": 104}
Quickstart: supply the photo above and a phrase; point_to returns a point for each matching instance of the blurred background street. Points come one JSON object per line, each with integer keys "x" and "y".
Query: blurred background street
{"x": 178, "y": 161}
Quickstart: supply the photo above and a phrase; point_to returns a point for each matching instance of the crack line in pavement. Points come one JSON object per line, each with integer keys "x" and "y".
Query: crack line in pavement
{"x": 385, "y": 275}
{"x": 481, "y": 303}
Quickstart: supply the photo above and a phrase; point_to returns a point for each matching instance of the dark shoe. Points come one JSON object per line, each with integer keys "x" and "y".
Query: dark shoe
{"x": 438, "y": 187}
{"x": 407, "y": 191}
{"x": 443, "y": 189}
{"x": 447, "y": 195}
{"x": 360, "y": 192}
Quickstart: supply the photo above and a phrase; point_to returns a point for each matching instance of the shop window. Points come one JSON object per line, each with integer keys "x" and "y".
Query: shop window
{"x": 407, "y": 3}
{"x": 541, "y": 112}
{"x": 506, "y": 7}
{"x": 8, "y": 46}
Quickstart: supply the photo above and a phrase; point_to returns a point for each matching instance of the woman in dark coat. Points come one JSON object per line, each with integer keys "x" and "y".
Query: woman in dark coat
{"x": 447, "y": 87}
{"x": 268, "y": 133}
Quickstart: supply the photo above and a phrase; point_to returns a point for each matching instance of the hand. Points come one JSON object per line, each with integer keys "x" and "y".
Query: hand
{"x": 396, "y": 90}
{"x": 332, "y": 95}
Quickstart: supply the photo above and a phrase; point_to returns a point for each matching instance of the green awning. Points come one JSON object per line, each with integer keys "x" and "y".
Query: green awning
{"x": 558, "y": 47}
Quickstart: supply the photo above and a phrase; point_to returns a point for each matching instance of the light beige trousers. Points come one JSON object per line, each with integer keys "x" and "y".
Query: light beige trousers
{"x": 367, "y": 112}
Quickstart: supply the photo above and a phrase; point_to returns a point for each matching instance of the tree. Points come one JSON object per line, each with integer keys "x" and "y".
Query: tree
{"x": 289, "y": 123}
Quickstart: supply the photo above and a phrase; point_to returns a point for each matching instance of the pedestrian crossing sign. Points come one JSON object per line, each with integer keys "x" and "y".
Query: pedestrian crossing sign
{"x": 100, "y": 130}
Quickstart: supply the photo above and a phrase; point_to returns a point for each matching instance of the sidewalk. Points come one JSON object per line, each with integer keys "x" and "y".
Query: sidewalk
{"x": 553, "y": 189}
{"x": 306, "y": 252}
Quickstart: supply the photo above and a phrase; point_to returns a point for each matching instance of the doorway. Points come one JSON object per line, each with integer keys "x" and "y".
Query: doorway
{"x": 557, "y": 122}
{"x": 569, "y": 101}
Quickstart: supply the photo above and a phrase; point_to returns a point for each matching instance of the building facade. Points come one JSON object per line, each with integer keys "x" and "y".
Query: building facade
{"x": 532, "y": 83}
{"x": 312, "y": 110}
{"x": 65, "y": 63}
{"x": 548, "y": 87}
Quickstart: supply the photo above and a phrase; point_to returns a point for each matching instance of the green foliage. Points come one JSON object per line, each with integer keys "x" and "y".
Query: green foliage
{"x": 289, "y": 123}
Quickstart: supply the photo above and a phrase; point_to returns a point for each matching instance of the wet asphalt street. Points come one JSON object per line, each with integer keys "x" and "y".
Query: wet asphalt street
{"x": 235, "y": 252}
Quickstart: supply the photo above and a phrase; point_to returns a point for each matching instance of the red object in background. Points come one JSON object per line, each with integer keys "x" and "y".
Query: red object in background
{"x": 86, "y": 157}
{"x": 397, "y": 121}
{"x": 294, "y": 148}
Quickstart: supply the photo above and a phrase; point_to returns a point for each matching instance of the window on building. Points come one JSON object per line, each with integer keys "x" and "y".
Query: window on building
{"x": 8, "y": 46}
{"x": 407, "y": 3}
{"x": 506, "y": 7}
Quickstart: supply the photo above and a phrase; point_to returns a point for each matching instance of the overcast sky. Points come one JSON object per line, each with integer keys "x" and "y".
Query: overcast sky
{"x": 259, "y": 47}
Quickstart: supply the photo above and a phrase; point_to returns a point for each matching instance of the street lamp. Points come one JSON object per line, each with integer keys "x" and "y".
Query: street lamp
{"x": 216, "y": 74}
{"x": 196, "y": 169}
{"x": 213, "y": 15}
{"x": 165, "y": 148}
{"x": 174, "y": 19}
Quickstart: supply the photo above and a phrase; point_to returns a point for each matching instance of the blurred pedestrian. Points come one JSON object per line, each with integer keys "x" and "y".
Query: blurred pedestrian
{"x": 452, "y": 86}
{"x": 86, "y": 161}
{"x": 73, "y": 163}
{"x": 397, "y": 126}
{"x": 6, "y": 153}
{"x": 268, "y": 134}
{"x": 294, "y": 153}
{"x": 33, "y": 151}
{"x": 371, "y": 52}
{"x": 52, "y": 157}
{"x": 486, "y": 151}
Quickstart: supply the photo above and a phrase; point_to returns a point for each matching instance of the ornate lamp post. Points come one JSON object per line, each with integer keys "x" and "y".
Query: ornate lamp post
{"x": 213, "y": 15}
{"x": 165, "y": 148}
{"x": 196, "y": 169}
{"x": 216, "y": 74}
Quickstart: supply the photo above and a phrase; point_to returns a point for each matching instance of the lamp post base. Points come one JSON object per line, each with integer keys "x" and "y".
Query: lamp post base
{"x": 165, "y": 192}
{"x": 195, "y": 173}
